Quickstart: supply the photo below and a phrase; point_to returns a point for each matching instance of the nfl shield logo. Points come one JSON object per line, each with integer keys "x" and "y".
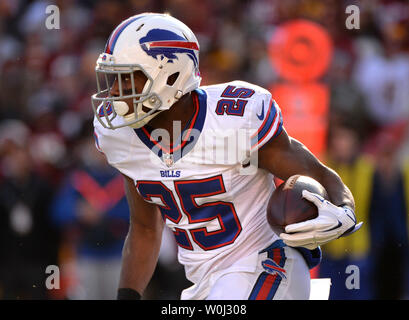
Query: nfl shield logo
{"x": 168, "y": 159}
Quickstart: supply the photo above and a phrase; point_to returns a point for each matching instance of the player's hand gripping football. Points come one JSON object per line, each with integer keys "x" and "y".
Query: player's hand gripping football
{"x": 332, "y": 222}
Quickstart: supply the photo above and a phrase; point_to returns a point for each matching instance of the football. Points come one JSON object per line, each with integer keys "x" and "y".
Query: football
{"x": 286, "y": 205}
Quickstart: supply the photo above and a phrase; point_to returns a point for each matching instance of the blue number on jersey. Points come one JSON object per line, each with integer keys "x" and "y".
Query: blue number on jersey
{"x": 188, "y": 191}
{"x": 231, "y": 106}
{"x": 169, "y": 209}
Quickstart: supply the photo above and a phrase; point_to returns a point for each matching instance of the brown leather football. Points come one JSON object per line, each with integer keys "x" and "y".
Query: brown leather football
{"x": 287, "y": 206}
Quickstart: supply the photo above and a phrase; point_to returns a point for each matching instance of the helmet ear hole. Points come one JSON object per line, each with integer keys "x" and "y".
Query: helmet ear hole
{"x": 172, "y": 79}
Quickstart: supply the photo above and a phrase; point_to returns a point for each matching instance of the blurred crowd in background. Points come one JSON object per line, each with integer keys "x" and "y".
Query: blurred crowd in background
{"x": 61, "y": 204}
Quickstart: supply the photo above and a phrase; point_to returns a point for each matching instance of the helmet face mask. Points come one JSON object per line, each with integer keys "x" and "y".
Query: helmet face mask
{"x": 104, "y": 102}
{"x": 163, "y": 51}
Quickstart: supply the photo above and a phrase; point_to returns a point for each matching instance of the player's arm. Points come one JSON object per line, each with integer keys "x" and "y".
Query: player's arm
{"x": 284, "y": 156}
{"x": 142, "y": 244}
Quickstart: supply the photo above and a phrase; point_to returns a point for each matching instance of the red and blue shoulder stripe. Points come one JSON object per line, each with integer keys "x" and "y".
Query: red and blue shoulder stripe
{"x": 271, "y": 127}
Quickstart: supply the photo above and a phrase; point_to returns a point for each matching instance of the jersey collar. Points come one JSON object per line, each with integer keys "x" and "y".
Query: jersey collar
{"x": 189, "y": 138}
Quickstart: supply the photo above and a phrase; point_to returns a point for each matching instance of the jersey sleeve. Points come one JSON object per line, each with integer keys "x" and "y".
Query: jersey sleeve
{"x": 114, "y": 144}
{"x": 97, "y": 141}
{"x": 266, "y": 122}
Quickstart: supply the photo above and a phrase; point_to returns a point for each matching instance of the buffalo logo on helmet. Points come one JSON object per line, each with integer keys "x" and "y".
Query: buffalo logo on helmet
{"x": 165, "y": 43}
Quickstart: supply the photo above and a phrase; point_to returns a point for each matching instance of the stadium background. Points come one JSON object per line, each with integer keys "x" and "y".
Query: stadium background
{"x": 344, "y": 93}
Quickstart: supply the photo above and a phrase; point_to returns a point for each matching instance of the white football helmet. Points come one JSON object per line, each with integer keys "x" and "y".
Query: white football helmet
{"x": 160, "y": 46}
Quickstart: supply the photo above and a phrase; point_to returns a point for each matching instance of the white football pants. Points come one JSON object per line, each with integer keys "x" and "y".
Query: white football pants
{"x": 280, "y": 273}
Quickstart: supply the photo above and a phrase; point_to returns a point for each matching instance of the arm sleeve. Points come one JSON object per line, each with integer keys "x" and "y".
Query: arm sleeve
{"x": 267, "y": 123}
{"x": 97, "y": 141}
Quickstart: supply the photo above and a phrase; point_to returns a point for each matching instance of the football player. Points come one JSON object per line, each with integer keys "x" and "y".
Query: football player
{"x": 201, "y": 160}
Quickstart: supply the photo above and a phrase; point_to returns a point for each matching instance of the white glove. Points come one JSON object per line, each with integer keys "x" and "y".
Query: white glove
{"x": 332, "y": 222}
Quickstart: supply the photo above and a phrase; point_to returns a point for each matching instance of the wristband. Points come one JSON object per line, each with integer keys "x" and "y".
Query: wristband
{"x": 128, "y": 294}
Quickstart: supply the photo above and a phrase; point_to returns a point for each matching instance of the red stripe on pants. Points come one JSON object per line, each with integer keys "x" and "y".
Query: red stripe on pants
{"x": 266, "y": 287}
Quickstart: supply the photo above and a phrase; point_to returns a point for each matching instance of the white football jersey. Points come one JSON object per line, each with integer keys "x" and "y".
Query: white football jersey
{"x": 208, "y": 187}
